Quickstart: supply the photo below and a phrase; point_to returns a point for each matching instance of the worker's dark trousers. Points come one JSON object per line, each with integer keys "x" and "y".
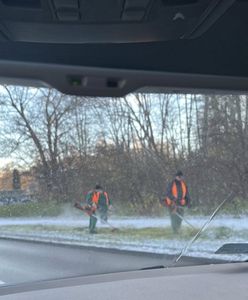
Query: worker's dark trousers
{"x": 103, "y": 210}
{"x": 175, "y": 220}
{"x": 92, "y": 224}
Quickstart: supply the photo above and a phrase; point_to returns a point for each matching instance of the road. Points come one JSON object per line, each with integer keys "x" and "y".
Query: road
{"x": 23, "y": 261}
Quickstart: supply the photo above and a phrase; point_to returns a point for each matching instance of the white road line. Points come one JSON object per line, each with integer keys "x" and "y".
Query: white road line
{"x": 2, "y": 282}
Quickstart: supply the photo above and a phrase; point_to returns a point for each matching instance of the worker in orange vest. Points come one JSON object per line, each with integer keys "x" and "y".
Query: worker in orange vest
{"x": 177, "y": 197}
{"x": 97, "y": 199}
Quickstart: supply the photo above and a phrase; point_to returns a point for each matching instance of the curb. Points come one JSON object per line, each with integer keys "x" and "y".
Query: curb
{"x": 68, "y": 244}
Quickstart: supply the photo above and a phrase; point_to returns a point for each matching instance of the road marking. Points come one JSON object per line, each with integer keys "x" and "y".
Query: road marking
{"x": 2, "y": 282}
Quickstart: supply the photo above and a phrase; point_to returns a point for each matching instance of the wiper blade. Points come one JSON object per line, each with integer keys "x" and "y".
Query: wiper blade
{"x": 153, "y": 268}
{"x": 205, "y": 225}
{"x": 233, "y": 248}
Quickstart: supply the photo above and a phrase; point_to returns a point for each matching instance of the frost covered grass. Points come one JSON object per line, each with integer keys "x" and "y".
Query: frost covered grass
{"x": 149, "y": 233}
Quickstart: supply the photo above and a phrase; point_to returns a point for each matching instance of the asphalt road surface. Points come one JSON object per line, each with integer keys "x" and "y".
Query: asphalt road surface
{"x": 22, "y": 261}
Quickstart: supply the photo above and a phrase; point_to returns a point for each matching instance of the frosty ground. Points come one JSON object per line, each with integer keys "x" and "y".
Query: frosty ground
{"x": 135, "y": 233}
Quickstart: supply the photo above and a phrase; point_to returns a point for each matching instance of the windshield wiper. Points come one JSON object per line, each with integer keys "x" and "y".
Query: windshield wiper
{"x": 153, "y": 268}
{"x": 205, "y": 225}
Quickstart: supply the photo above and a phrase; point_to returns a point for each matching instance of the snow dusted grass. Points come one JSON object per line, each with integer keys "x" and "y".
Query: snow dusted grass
{"x": 152, "y": 234}
{"x": 133, "y": 233}
{"x": 149, "y": 233}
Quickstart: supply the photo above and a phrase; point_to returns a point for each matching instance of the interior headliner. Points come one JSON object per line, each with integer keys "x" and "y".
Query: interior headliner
{"x": 221, "y": 51}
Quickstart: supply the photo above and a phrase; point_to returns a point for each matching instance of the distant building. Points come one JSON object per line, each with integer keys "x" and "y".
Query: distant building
{"x": 5, "y": 180}
{"x": 27, "y": 181}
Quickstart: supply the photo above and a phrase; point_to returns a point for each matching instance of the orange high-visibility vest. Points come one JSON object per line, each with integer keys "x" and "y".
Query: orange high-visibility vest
{"x": 107, "y": 198}
{"x": 96, "y": 196}
{"x": 175, "y": 191}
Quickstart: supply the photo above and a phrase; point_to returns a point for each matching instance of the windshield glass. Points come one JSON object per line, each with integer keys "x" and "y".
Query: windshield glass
{"x": 99, "y": 185}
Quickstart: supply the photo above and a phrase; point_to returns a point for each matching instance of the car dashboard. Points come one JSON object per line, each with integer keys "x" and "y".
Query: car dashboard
{"x": 222, "y": 281}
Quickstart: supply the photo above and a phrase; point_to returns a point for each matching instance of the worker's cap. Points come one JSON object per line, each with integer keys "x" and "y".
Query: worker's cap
{"x": 98, "y": 187}
{"x": 179, "y": 173}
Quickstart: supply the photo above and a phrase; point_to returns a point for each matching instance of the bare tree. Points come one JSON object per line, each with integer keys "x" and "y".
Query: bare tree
{"x": 38, "y": 117}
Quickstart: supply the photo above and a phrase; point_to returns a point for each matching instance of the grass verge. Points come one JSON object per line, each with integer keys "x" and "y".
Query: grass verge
{"x": 150, "y": 233}
{"x": 32, "y": 209}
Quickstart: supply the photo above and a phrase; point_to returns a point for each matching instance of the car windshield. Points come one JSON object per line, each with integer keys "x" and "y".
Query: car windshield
{"x": 92, "y": 185}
